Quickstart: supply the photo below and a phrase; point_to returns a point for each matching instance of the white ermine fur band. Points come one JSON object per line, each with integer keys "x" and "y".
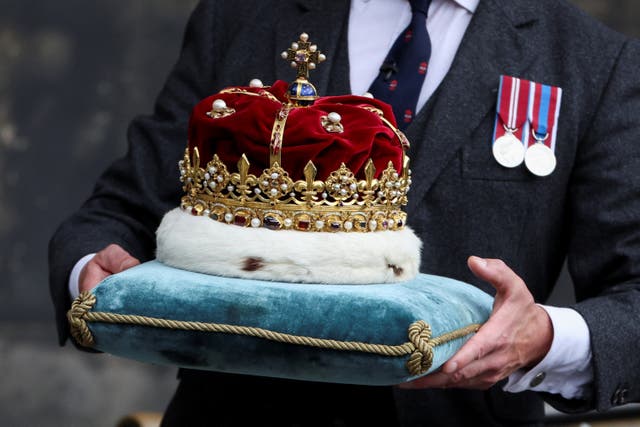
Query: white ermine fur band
{"x": 200, "y": 244}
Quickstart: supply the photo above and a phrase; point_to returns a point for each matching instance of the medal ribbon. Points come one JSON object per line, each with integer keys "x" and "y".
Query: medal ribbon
{"x": 513, "y": 106}
{"x": 544, "y": 109}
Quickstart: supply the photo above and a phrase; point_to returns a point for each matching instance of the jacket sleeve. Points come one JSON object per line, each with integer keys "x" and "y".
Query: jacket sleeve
{"x": 130, "y": 198}
{"x": 604, "y": 252}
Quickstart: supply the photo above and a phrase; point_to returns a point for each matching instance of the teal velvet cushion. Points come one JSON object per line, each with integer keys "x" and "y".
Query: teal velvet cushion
{"x": 359, "y": 334}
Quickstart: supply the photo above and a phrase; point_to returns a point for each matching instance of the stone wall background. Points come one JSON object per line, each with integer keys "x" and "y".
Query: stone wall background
{"x": 72, "y": 75}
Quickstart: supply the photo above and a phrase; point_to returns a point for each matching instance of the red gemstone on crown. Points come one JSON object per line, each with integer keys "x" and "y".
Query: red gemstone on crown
{"x": 271, "y": 223}
{"x": 240, "y": 220}
{"x": 303, "y": 224}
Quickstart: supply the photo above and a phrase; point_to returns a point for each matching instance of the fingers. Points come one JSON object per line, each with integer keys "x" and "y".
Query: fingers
{"x": 91, "y": 275}
{"x": 484, "y": 342}
{"x": 479, "y": 374}
{"x": 114, "y": 259}
{"x": 490, "y": 369}
{"x": 468, "y": 353}
{"x": 434, "y": 380}
{"x": 111, "y": 260}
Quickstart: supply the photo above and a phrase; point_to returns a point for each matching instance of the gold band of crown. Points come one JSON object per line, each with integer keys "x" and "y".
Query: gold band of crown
{"x": 274, "y": 201}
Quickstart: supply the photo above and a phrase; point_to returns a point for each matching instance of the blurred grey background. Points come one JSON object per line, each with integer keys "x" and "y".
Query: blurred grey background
{"x": 72, "y": 75}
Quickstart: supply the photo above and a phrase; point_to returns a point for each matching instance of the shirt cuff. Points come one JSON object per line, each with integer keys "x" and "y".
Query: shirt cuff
{"x": 566, "y": 369}
{"x": 74, "y": 277}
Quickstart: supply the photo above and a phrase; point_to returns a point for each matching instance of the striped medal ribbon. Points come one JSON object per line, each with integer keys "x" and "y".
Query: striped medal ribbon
{"x": 509, "y": 136}
{"x": 544, "y": 109}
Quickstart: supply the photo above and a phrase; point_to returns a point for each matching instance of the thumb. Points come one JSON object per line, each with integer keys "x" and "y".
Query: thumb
{"x": 494, "y": 271}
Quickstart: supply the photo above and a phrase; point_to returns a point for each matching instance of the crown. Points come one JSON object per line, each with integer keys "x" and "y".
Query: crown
{"x": 280, "y": 157}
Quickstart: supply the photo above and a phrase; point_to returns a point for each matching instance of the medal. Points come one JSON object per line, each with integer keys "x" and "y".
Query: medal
{"x": 508, "y": 137}
{"x": 508, "y": 150}
{"x": 544, "y": 109}
{"x": 540, "y": 160}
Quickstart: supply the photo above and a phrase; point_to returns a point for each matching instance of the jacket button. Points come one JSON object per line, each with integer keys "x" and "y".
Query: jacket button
{"x": 537, "y": 380}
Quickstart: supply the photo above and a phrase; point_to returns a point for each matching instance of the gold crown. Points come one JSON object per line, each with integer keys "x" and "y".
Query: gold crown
{"x": 337, "y": 202}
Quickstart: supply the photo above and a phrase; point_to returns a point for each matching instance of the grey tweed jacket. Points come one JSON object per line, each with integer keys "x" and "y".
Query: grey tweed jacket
{"x": 462, "y": 201}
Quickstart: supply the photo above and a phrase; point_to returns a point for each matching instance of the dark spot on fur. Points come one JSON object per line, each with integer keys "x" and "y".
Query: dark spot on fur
{"x": 252, "y": 264}
{"x": 396, "y": 270}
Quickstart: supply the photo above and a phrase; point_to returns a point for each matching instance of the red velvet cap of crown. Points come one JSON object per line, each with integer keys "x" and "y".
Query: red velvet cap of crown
{"x": 248, "y": 131}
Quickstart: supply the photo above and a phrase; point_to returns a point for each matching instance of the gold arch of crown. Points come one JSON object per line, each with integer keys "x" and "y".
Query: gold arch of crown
{"x": 273, "y": 200}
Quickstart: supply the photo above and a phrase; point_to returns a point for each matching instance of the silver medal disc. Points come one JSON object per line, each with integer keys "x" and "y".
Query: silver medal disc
{"x": 508, "y": 151}
{"x": 540, "y": 159}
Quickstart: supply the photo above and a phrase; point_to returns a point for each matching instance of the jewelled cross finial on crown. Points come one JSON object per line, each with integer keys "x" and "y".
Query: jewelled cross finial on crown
{"x": 303, "y": 56}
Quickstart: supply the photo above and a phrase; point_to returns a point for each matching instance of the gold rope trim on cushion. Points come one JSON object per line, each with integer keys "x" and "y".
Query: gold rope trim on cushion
{"x": 419, "y": 348}
{"x": 77, "y": 315}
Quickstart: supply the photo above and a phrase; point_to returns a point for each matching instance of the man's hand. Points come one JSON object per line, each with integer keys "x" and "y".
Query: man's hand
{"x": 111, "y": 260}
{"x": 517, "y": 335}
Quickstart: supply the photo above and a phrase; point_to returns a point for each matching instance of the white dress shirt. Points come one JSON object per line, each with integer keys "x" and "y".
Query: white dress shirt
{"x": 374, "y": 26}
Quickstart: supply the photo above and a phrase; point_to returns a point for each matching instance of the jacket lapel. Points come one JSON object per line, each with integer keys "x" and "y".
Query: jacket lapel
{"x": 493, "y": 45}
{"x": 326, "y": 24}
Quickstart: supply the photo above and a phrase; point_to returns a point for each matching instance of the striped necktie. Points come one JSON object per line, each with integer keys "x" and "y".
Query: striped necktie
{"x": 403, "y": 71}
